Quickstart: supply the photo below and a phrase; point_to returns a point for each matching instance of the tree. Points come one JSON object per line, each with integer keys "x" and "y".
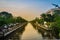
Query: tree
{"x": 50, "y": 18}
{"x": 43, "y": 15}
{"x": 20, "y": 20}
{"x": 2, "y": 21}
{"x": 56, "y": 25}
{"x": 5, "y": 14}
{"x": 5, "y": 18}
{"x": 55, "y": 30}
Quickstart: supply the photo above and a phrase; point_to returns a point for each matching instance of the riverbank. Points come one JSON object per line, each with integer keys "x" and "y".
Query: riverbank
{"x": 46, "y": 33}
{"x": 12, "y": 30}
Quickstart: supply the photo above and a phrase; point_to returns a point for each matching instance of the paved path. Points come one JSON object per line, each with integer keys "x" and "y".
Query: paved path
{"x": 13, "y": 29}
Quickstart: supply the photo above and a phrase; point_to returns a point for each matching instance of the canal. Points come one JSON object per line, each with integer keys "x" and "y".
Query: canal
{"x": 30, "y": 33}
{"x": 26, "y": 32}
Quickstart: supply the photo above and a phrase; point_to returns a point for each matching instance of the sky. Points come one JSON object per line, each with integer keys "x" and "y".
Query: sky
{"x": 28, "y": 9}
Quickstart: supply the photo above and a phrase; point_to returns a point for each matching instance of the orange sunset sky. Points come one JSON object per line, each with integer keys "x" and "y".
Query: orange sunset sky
{"x": 28, "y": 9}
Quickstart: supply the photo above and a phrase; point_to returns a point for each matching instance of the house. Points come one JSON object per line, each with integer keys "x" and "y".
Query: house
{"x": 51, "y": 11}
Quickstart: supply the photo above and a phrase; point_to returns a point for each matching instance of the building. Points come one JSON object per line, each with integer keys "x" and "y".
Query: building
{"x": 51, "y": 11}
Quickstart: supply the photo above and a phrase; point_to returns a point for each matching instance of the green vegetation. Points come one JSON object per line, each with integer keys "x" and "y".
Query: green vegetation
{"x": 52, "y": 21}
{"x": 7, "y": 18}
{"x": 20, "y": 20}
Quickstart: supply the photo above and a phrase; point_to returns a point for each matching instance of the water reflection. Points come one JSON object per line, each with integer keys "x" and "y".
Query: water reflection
{"x": 28, "y": 32}
{"x": 17, "y": 34}
{"x": 25, "y": 33}
{"x": 31, "y": 34}
{"x": 45, "y": 34}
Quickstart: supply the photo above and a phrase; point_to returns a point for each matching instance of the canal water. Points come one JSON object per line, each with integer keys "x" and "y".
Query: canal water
{"x": 26, "y": 32}
{"x": 30, "y": 33}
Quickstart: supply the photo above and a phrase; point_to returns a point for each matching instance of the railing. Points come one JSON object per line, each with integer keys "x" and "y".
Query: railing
{"x": 13, "y": 29}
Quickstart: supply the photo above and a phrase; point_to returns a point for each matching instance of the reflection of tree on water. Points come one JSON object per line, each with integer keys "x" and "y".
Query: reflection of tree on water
{"x": 44, "y": 33}
{"x": 17, "y": 34}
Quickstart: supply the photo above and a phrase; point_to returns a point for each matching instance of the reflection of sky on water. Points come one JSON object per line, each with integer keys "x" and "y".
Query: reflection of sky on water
{"x": 30, "y": 33}
{"x": 27, "y": 33}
